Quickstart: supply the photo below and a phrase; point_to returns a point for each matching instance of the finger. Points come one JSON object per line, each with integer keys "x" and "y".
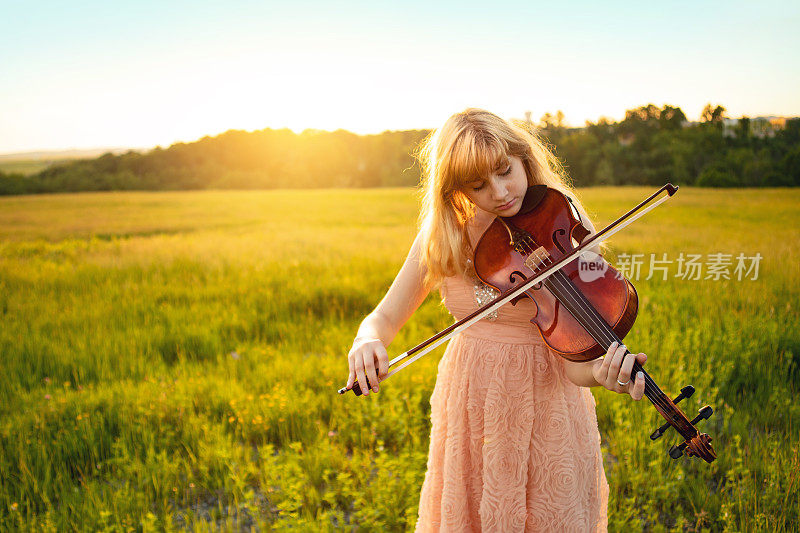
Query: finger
{"x": 351, "y": 377}
{"x": 602, "y": 372}
{"x": 621, "y": 349}
{"x": 362, "y": 378}
{"x": 613, "y": 368}
{"x": 641, "y": 358}
{"x": 369, "y": 367}
{"x": 612, "y": 348}
{"x": 383, "y": 363}
{"x": 626, "y": 369}
{"x": 638, "y": 387}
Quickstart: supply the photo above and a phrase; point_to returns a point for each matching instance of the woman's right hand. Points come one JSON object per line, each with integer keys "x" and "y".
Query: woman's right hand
{"x": 367, "y": 360}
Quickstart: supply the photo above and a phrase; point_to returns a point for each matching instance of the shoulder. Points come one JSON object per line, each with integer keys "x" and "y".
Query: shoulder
{"x": 478, "y": 224}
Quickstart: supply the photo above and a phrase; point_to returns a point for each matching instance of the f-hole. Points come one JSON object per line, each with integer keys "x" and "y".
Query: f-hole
{"x": 512, "y": 278}
{"x": 556, "y": 234}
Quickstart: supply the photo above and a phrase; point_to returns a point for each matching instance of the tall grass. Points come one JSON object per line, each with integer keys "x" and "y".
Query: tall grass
{"x": 170, "y": 361}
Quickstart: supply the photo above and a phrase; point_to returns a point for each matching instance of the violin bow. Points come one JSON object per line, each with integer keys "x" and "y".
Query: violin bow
{"x": 696, "y": 444}
{"x": 446, "y": 334}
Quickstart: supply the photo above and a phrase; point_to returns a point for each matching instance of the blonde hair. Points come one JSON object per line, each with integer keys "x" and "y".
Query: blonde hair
{"x": 470, "y": 146}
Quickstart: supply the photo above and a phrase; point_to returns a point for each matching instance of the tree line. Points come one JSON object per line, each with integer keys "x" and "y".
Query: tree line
{"x": 650, "y": 146}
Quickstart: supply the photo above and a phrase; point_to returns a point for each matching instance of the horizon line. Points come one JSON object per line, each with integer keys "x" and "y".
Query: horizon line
{"x": 121, "y": 149}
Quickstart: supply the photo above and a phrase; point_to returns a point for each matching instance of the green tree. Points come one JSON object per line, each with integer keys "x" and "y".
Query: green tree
{"x": 717, "y": 175}
{"x": 603, "y": 131}
{"x": 671, "y": 118}
{"x": 640, "y": 121}
{"x": 791, "y": 167}
{"x": 552, "y": 123}
{"x": 713, "y": 115}
{"x": 743, "y": 128}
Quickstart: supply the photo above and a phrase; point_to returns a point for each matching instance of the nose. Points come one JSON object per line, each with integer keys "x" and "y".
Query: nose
{"x": 499, "y": 190}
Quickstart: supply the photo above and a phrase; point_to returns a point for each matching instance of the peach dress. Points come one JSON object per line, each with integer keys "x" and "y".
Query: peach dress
{"x": 514, "y": 444}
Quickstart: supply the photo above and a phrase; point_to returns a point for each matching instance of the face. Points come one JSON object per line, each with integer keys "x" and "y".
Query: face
{"x": 502, "y": 192}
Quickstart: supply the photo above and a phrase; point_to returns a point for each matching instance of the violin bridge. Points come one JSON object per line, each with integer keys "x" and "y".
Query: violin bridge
{"x": 537, "y": 258}
{"x": 523, "y": 243}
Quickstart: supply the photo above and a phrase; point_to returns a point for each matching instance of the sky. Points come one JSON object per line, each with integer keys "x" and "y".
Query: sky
{"x": 85, "y": 74}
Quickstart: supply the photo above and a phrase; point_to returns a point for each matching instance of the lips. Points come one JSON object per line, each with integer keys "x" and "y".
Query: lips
{"x": 506, "y": 206}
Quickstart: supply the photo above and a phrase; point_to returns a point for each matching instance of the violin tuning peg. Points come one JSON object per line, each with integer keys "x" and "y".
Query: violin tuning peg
{"x": 658, "y": 432}
{"x": 686, "y": 392}
{"x": 705, "y": 412}
{"x": 677, "y": 451}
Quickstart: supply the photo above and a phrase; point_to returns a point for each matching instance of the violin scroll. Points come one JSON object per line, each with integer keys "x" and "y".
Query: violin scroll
{"x": 696, "y": 444}
{"x": 700, "y": 444}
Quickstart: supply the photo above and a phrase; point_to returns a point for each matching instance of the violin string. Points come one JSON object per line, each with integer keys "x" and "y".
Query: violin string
{"x": 591, "y": 321}
{"x": 593, "y": 327}
{"x": 596, "y": 323}
{"x": 585, "y": 308}
{"x": 593, "y": 324}
{"x": 609, "y": 336}
{"x": 601, "y": 329}
{"x": 598, "y": 331}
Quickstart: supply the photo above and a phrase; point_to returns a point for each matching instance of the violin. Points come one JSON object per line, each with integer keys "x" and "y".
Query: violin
{"x": 581, "y": 307}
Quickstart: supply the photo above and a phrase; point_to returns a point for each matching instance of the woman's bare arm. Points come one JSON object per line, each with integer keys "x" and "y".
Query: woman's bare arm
{"x": 368, "y": 359}
{"x": 610, "y": 371}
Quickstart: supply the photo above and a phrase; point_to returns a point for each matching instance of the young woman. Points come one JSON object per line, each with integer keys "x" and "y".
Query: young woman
{"x": 514, "y": 441}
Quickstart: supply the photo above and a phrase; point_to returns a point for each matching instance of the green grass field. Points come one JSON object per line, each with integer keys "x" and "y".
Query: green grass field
{"x": 170, "y": 361}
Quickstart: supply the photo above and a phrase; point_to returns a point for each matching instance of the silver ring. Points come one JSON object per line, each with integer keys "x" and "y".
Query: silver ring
{"x": 623, "y": 384}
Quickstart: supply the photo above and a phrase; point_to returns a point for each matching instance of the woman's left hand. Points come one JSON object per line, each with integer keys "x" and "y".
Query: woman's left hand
{"x": 613, "y": 371}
